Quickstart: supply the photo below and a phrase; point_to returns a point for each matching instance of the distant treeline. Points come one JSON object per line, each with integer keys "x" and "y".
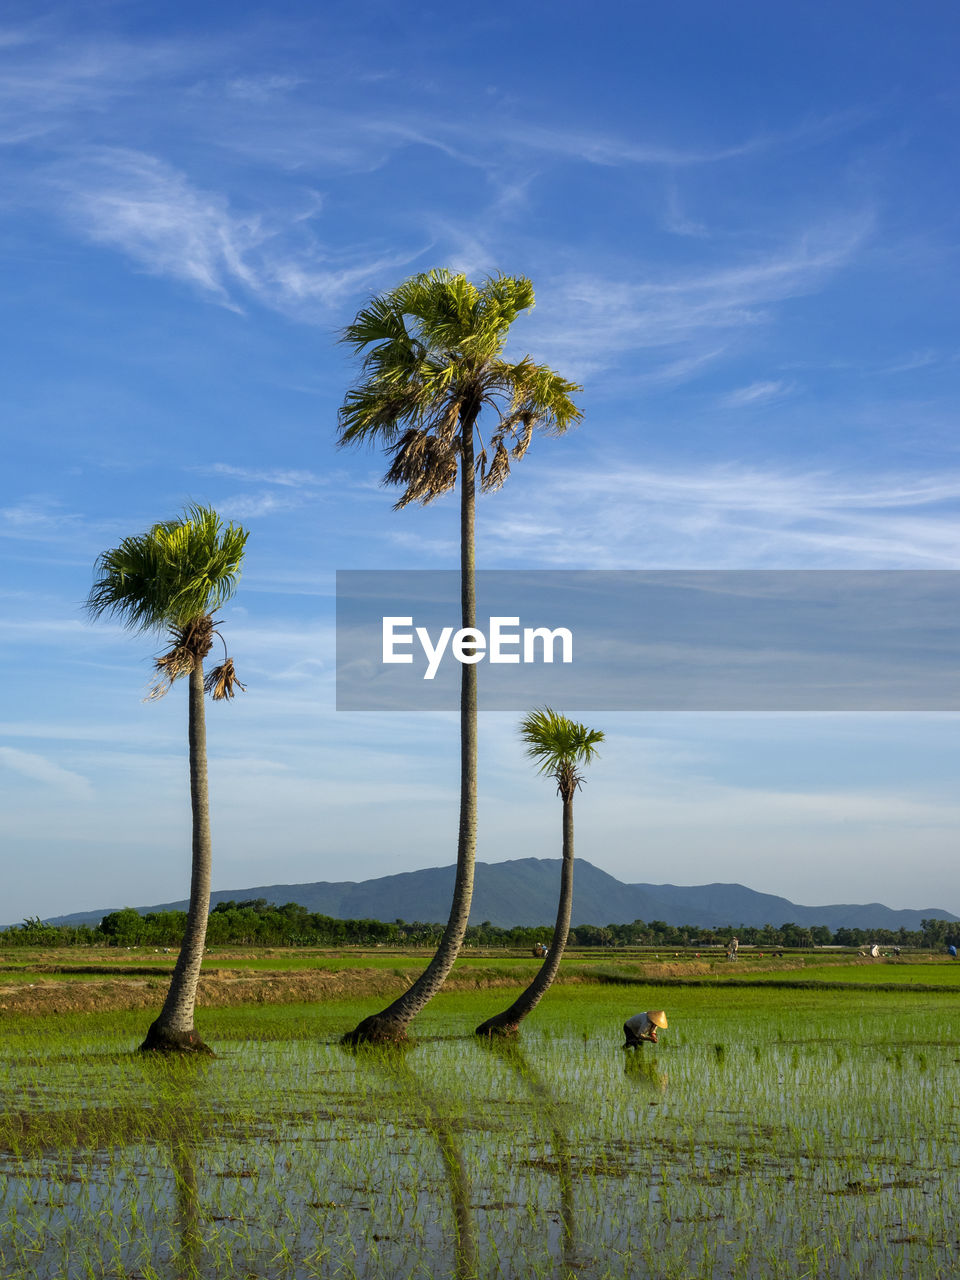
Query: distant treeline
{"x": 258, "y": 922}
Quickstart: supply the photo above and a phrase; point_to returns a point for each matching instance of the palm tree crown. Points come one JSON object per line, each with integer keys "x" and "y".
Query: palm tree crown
{"x": 432, "y": 361}
{"x": 173, "y": 578}
{"x": 559, "y": 747}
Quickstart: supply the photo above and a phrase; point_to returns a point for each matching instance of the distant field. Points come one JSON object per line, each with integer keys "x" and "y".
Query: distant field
{"x": 78, "y": 979}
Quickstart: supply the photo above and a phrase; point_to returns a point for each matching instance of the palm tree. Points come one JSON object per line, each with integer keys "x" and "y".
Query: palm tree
{"x": 432, "y": 362}
{"x": 560, "y": 748}
{"x": 172, "y": 579}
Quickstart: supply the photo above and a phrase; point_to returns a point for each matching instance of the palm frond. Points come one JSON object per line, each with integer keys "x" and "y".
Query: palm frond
{"x": 558, "y": 746}
{"x": 180, "y": 569}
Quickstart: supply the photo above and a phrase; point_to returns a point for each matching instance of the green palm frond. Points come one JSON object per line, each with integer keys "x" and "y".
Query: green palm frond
{"x": 559, "y": 747}
{"x": 180, "y": 570}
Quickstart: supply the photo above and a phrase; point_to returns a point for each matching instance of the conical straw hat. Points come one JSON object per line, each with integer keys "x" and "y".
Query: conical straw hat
{"x": 658, "y": 1018}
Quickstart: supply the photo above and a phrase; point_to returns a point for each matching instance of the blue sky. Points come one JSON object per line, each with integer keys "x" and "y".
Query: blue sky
{"x": 741, "y": 224}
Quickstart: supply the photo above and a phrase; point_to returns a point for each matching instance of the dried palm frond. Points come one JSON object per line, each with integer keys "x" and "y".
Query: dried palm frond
{"x": 191, "y": 643}
{"x": 177, "y": 662}
{"x": 426, "y": 466}
{"x": 221, "y": 682}
{"x": 499, "y": 468}
{"x": 523, "y": 437}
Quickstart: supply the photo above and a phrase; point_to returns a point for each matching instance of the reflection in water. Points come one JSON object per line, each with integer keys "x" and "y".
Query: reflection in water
{"x": 188, "y": 1255}
{"x": 431, "y": 1114}
{"x": 182, "y": 1123}
{"x": 647, "y": 1074}
{"x": 510, "y": 1052}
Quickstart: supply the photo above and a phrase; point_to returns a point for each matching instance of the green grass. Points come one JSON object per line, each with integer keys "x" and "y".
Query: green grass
{"x": 770, "y": 1134}
{"x": 932, "y": 973}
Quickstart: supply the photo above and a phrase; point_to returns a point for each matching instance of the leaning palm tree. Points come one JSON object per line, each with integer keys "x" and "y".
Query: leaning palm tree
{"x": 560, "y": 748}
{"x": 432, "y": 363}
{"x": 171, "y": 580}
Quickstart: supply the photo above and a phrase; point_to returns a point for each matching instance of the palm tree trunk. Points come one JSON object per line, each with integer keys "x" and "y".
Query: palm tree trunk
{"x": 173, "y": 1030}
{"x": 392, "y": 1022}
{"x": 508, "y": 1022}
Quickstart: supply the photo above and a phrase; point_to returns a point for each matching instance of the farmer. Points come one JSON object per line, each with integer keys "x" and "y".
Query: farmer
{"x": 643, "y": 1026}
{"x": 733, "y": 948}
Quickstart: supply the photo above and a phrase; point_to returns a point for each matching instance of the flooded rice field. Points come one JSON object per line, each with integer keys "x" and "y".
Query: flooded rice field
{"x": 764, "y": 1136}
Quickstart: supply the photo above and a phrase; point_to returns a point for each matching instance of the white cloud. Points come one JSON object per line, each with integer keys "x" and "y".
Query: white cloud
{"x": 251, "y": 506}
{"x": 38, "y": 768}
{"x": 603, "y": 318}
{"x": 725, "y": 517}
{"x": 145, "y": 208}
{"x": 289, "y": 477}
{"x": 37, "y": 519}
{"x": 608, "y": 149}
{"x": 262, "y": 88}
{"x": 756, "y": 393}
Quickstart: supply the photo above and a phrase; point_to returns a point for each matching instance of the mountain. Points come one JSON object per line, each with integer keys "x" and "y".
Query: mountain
{"x": 524, "y": 891}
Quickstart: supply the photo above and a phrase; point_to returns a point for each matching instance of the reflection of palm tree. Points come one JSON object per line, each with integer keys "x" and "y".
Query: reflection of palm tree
{"x": 184, "y": 1153}
{"x": 172, "y": 579}
{"x": 547, "y": 1106}
{"x": 432, "y": 361}
{"x": 560, "y": 748}
{"x": 432, "y": 1116}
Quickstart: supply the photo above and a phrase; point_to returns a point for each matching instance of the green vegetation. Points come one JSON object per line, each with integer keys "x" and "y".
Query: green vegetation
{"x": 258, "y": 922}
{"x": 768, "y": 1135}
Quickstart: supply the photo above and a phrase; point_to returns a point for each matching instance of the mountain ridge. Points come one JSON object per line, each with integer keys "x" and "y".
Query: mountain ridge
{"x": 523, "y": 891}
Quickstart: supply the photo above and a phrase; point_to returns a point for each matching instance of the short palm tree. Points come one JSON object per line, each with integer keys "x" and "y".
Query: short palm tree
{"x": 172, "y": 579}
{"x": 560, "y": 748}
{"x": 432, "y": 363}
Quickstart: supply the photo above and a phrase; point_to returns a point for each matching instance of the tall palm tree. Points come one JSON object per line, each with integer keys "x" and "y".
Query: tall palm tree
{"x": 560, "y": 748}
{"x": 432, "y": 362}
{"x": 172, "y": 579}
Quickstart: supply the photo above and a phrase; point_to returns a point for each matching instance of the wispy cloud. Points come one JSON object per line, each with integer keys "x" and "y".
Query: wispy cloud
{"x": 605, "y": 317}
{"x": 727, "y": 517}
{"x": 51, "y": 78}
{"x": 36, "y": 519}
{"x": 608, "y": 149}
{"x": 40, "y": 769}
{"x": 614, "y": 149}
{"x": 251, "y": 506}
{"x": 756, "y": 393}
{"x": 150, "y": 211}
{"x": 289, "y": 478}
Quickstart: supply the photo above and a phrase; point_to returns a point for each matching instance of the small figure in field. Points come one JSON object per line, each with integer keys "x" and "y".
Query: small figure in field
{"x": 643, "y": 1026}
{"x": 733, "y": 948}
{"x": 953, "y": 950}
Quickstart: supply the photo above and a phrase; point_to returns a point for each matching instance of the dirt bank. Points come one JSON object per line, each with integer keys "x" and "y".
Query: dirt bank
{"x": 234, "y": 987}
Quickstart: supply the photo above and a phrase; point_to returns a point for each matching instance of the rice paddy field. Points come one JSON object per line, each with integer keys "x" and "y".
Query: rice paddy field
{"x": 772, "y": 1132}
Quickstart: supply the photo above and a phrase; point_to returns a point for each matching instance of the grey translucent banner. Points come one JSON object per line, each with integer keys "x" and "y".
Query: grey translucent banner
{"x": 710, "y": 640}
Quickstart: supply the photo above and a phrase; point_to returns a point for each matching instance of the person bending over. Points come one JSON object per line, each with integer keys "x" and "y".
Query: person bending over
{"x": 643, "y": 1026}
